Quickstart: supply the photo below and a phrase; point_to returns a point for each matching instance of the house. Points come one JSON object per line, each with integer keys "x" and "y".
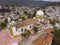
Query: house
{"x": 45, "y": 20}
{"x": 57, "y": 25}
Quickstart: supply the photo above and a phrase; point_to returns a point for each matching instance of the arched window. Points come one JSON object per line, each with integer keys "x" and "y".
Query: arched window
{"x": 22, "y": 30}
{"x": 30, "y": 26}
{"x": 25, "y": 29}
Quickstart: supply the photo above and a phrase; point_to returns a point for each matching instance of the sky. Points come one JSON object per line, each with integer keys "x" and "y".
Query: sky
{"x": 49, "y": 0}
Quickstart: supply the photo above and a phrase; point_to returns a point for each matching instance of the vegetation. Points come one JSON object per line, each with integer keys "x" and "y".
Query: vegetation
{"x": 3, "y": 25}
{"x": 26, "y": 33}
{"x": 25, "y": 12}
{"x": 35, "y": 29}
{"x": 40, "y": 17}
{"x": 4, "y": 10}
{"x": 34, "y": 14}
{"x": 52, "y": 21}
{"x": 22, "y": 17}
{"x": 6, "y": 21}
{"x": 56, "y": 40}
{"x": 10, "y": 30}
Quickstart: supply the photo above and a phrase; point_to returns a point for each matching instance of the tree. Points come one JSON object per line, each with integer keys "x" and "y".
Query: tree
{"x": 56, "y": 40}
{"x": 6, "y": 21}
{"x": 34, "y": 14}
{"x": 3, "y": 25}
{"x": 26, "y": 33}
{"x": 23, "y": 34}
{"x": 52, "y": 21}
{"x": 17, "y": 12}
{"x": 35, "y": 29}
{"x": 25, "y": 12}
{"x": 22, "y": 17}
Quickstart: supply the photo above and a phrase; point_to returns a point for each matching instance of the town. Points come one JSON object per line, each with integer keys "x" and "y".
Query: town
{"x": 27, "y": 25}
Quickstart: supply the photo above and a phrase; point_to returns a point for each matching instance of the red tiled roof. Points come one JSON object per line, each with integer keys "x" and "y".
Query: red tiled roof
{"x": 41, "y": 40}
{"x": 48, "y": 30}
{"x": 27, "y": 22}
{"x": 48, "y": 40}
{"x": 5, "y": 38}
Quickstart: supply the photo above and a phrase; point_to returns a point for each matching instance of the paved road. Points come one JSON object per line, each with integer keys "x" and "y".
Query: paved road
{"x": 32, "y": 38}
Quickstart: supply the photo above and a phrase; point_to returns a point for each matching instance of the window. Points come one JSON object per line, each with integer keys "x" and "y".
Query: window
{"x": 30, "y": 26}
{"x": 25, "y": 29}
{"x": 22, "y": 30}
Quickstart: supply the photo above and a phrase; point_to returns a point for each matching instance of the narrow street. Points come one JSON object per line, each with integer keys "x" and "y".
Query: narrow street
{"x": 32, "y": 38}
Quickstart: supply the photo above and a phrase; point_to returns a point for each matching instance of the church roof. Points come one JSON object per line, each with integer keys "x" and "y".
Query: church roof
{"x": 25, "y": 23}
{"x": 40, "y": 12}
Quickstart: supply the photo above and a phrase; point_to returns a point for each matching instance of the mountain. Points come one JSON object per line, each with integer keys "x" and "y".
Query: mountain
{"x": 32, "y": 3}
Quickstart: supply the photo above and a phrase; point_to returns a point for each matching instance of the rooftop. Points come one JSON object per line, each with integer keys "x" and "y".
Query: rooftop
{"x": 25, "y": 23}
{"x": 7, "y": 39}
{"x": 42, "y": 40}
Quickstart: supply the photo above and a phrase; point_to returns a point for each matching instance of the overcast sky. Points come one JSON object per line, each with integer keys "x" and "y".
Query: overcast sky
{"x": 51, "y": 0}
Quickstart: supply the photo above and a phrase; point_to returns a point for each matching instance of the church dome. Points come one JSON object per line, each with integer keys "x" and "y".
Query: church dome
{"x": 40, "y": 13}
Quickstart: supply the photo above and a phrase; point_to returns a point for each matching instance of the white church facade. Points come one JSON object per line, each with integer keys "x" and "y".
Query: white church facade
{"x": 20, "y": 27}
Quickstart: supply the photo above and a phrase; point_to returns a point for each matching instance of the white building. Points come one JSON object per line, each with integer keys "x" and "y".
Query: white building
{"x": 40, "y": 15}
{"x": 57, "y": 25}
{"x": 20, "y": 27}
{"x": 26, "y": 25}
{"x": 15, "y": 43}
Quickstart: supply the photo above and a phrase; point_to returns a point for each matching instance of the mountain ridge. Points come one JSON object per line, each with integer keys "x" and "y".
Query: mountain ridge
{"x": 25, "y": 2}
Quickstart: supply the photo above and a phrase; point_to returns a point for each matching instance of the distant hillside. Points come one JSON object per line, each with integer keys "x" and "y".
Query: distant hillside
{"x": 25, "y": 3}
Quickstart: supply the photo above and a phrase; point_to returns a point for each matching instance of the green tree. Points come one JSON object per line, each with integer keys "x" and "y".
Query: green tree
{"x": 23, "y": 34}
{"x": 35, "y": 29}
{"x": 6, "y": 21}
{"x": 56, "y": 40}
{"x": 3, "y": 25}
{"x": 22, "y": 17}
{"x": 34, "y": 14}
{"x": 52, "y": 21}
{"x": 26, "y": 33}
{"x": 25, "y": 12}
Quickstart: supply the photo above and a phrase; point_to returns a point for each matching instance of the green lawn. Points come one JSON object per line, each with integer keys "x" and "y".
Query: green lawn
{"x": 56, "y": 40}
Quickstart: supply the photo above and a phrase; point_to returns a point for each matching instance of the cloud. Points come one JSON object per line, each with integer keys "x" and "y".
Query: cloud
{"x": 49, "y": 0}
{"x": 52, "y": 0}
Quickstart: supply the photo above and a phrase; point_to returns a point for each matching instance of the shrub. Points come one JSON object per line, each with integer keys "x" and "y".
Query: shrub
{"x": 35, "y": 29}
